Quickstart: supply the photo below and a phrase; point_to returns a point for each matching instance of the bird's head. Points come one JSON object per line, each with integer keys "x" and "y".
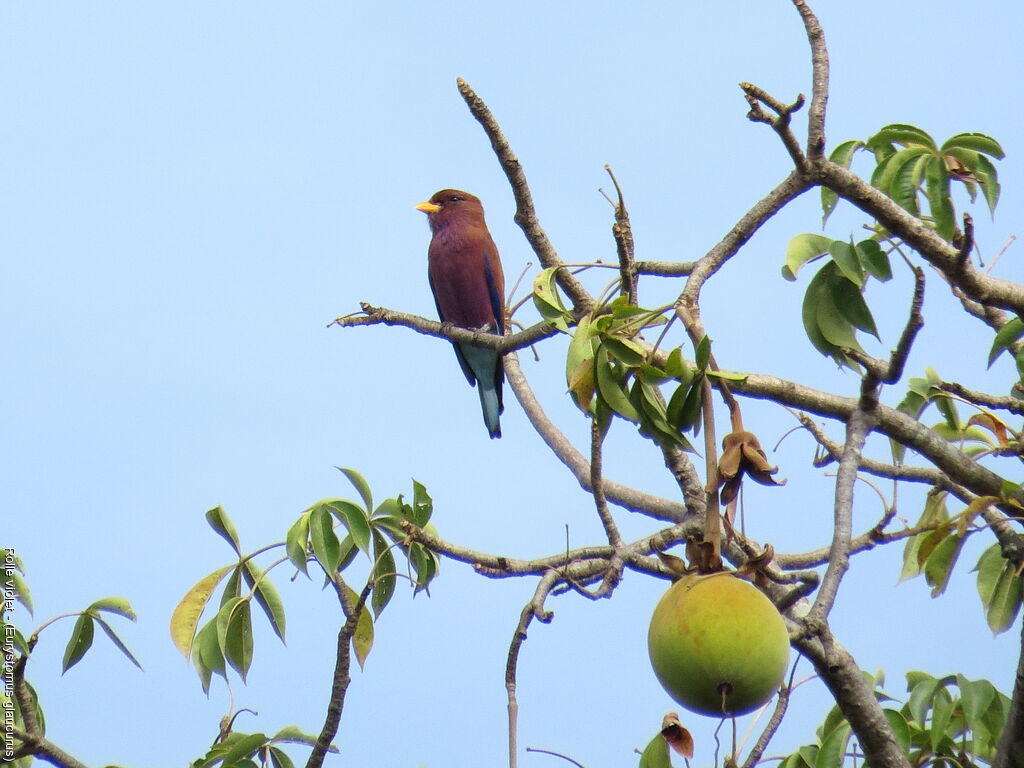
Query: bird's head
{"x": 450, "y": 205}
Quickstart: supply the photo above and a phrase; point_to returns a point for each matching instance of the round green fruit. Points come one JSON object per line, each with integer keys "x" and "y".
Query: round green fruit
{"x": 718, "y": 646}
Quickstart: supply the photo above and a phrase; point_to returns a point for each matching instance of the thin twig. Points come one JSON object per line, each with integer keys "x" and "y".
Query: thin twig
{"x": 898, "y": 360}
{"x": 372, "y": 315}
{"x": 597, "y": 486}
{"x": 858, "y": 426}
{"x": 819, "y": 80}
{"x": 754, "y": 757}
{"x": 780, "y": 123}
{"x": 622, "y": 231}
{"x": 341, "y": 679}
{"x": 629, "y": 498}
{"x": 526, "y": 216}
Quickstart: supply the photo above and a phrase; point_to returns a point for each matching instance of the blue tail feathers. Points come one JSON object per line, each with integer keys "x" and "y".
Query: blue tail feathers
{"x": 487, "y": 369}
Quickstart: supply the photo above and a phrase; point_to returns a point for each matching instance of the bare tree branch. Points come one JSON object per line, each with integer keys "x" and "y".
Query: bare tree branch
{"x": 960, "y": 467}
{"x": 819, "y": 81}
{"x": 857, "y": 428}
{"x": 372, "y": 315}
{"x": 533, "y": 609}
{"x": 33, "y": 742}
{"x": 1011, "y": 404}
{"x": 944, "y": 256}
{"x": 665, "y": 268}
{"x": 1010, "y": 752}
{"x": 844, "y": 678}
{"x": 789, "y": 189}
{"x": 780, "y": 123}
{"x": 622, "y": 231}
{"x": 526, "y": 216}
{"x": 341, "y": 678}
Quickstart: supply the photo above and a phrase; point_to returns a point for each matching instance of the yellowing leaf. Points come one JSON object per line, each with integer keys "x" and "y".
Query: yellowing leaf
{"x": 186, "y": 614}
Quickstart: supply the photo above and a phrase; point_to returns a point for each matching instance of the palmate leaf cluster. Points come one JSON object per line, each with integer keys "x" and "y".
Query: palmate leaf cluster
{"x": 949, "y": 721}
{"x": 18, "y": 649}
{"x": 909, "y": 167}
{"x": 611, "y": 370}
{"x": 226, "y": 640}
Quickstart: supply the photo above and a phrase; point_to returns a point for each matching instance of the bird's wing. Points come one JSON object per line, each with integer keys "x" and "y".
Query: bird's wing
{"x": 466, "y": 369}
{"x": 497, "y": 300}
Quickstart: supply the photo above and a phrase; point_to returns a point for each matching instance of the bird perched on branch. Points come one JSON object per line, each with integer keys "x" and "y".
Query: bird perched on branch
{"x": 469, "y": 288}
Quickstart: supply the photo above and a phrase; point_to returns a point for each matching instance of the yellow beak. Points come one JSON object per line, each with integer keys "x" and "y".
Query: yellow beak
{"x": 428, "y": 207}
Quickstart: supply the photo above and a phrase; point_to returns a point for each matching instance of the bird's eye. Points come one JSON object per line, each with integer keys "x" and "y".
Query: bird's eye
{"x": 455, "y": 199}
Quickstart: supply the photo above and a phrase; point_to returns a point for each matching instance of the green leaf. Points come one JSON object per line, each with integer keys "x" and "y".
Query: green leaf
{"x": 611, "y": 389}
{"x": 626, "y": 351}
{"x": 829, "y": 303}
{"x": 279, "y": 758}
{"x": 989, "y": 567}
{"x": 233, "y": 586}
{"x": 727, "y": 375}
{"x": 355, "y": 519}
{"x": 244, "y": 747}
{"x": 207, "y": 656}
{"x": 921, "y": 694}
{"x": 802, "y": 249}
{"x": 908, "y": 168}
{"x": 939, "y": 566}
{"x": 989, "y": 180}
{"x": 832, "y": 321}
{"x": 422, "y": 504}
{"x": 347, "y": 551}
{"x": 79, "y": 642}
{"x": 383, "y": 574}
{"x": 939, "y": 200}
{"x": 842, "y": 155}
{"x": 676, "y": 367}
{"x": 845, "y": 257}
{"x": 361, "y": 486}
{"x": 221, "y": 523}
{"x": 703, "y": 353}
{"x": 234, "y": 633}
{"x": 118, "y": 643}
{"x": 911, "y": 558}
{"x": 899, "y": 726}
{"x": 899, "y": 133}
{"x": 296, "y": 542}
{"x": 947, "y": 407}
{"x": 1006, "y": 600}
{"x": 548, "y": 302}
{"x": 425, "y": 564}
{"x": 979, "y": 142}
{"x": 1007, "y": 335}
{"x": 874, "y": 259}
{"x": 833, "y": 747}
{"x": 848, "y": 299}
{"x": 796, "y": 760}
{"x": 266, "y": 596}
{"x": 362, "y": 639}
{"x": 117, "y": 605}
{"x": 292, "y": 734}
{"x": 942, "y": 711}
{"x": 324, "y": 539}
{"x": 579, "y": 362}
{"x": 896, "y": 166}
{"x": 976, "y": 697}
{"x": 655, "y": 754}
{"x": 186, "y": 614}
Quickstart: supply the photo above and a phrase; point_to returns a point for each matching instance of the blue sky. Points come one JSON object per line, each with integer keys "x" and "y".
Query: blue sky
{"x": 191, "y": 192}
